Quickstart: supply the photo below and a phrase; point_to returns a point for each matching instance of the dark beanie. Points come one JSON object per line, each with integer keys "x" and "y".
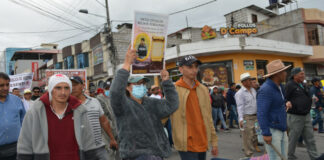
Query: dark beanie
{"x": 315, "y": 79}
{"x": 295, "y": 71}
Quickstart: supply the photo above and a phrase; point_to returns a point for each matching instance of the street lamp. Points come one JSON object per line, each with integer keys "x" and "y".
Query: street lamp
{"x": 113, "y": 55}
{"x": 85, "y": 11}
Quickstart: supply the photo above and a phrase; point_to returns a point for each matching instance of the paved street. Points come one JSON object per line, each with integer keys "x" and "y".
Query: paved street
{"x": 230, "y": 147}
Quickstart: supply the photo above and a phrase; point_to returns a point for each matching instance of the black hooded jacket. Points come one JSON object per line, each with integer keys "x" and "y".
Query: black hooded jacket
{"x": 299, "y": 97}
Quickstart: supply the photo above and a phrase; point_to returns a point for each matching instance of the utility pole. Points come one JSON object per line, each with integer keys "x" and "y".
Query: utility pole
{"x": 112, "y": 48}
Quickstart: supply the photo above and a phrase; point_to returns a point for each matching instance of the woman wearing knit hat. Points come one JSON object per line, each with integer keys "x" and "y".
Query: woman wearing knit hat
{"x": 57, "y": 127}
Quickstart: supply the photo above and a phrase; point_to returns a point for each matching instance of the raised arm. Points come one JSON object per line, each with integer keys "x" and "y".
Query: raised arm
{"x": 119, "y": 84}
{"x": 170, "y": 104}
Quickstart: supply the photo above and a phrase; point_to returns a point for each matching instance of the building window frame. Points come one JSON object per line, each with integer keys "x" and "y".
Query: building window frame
{"x": 254, "y": 18}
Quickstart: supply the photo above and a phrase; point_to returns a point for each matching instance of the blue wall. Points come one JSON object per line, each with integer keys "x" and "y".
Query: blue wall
{"x": 9, "y": 53}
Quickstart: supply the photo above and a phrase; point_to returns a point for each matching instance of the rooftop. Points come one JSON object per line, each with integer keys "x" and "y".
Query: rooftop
{"x": 239, "y": 45}
{"x": 35, "y": 54}
{"x": 257, "y": 9}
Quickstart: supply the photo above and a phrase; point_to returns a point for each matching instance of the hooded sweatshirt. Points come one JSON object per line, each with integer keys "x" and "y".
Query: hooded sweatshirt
{"x": 196, "y": 130}
{"x": 61, "y": 137}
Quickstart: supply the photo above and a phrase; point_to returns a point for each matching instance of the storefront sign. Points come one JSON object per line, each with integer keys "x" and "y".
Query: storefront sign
{"x": 35, "y": 70}
{"x": 82, "y": 73}
{"x": 207, "y": 33}
{"x": 242, "y": 28}
{"x": 97, "y": 55}
{"x": 149, "y": 38}
{"x": 21, "y": 81}
{"x": 248, "y": 65}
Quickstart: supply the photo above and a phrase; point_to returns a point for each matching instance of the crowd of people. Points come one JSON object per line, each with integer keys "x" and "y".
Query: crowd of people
{"x": 126, "y": 121}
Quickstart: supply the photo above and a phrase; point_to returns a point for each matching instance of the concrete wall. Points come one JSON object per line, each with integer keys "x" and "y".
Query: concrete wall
{"x": 288, "y": 27}
{"x": 2, "y": 62}
{"x": 293, "y": 34}
{"x": 244, "y": 16}
{"x": 122, "y": 40}
{"x": 320, "y": 29}
{"x": 8, "y": 55}
{"x": 314, "y": 14}
{"x": 25, "y": 66}
{"x": 260, "y": 16}
{"x": 189, "y": 35}
{"x": 239, "y": 16}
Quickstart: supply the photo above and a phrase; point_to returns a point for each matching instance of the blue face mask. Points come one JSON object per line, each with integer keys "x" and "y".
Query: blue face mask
{"x": 139, "y": 91}
{"x": 107, "y": 93}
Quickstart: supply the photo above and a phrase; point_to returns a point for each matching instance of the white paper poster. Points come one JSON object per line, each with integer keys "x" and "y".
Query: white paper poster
{"x": 149, "y": 38}
{"x": 21, "y": 81}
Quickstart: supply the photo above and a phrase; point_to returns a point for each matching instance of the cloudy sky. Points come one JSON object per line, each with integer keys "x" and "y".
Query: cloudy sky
{"x": 28, "y": 23}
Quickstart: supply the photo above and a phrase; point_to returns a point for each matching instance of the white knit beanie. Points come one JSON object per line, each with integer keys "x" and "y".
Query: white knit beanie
{"x": 56, "y": 79}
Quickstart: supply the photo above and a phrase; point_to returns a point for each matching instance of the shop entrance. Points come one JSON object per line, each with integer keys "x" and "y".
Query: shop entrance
{"x": 289, "y": 69}
{"x": 261, "y": 70}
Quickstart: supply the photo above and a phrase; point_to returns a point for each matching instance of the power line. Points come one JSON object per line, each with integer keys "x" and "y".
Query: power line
{"x": 66, "y": 38}
{"x": 100, "y": 3}
{"x": 50, "y": 15}
{"x": 64, "y": 9}
{"x": 193, "y": 7}
{"x": 49, "y": 31}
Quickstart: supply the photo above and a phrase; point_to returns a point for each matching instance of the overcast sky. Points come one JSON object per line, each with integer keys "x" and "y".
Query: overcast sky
{"x": 15, "y": 19}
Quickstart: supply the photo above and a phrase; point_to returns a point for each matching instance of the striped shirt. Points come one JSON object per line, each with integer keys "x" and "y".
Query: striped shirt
{"x": 94, "y": 112}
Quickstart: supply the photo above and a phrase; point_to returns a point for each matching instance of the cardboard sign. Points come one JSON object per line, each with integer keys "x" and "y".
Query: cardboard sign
{"x": 149, "y": 39}
{"x": 21, "y": 81}
{"x": 82, "y": 73}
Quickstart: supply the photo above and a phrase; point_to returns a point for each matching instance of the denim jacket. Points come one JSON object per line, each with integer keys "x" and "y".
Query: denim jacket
{"x": 271, "y": 111}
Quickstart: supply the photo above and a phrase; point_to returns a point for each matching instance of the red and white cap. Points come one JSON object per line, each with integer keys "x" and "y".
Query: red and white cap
{"x": 56, "y": 79}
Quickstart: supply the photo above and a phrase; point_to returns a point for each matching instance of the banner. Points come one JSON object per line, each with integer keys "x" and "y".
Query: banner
{"x": 149, "y": 39}
{"x": 97, "y": 55}
{"x": 21, "y": 81}
{"x": 35, "y": 70}
{"x": 82, "y": 73}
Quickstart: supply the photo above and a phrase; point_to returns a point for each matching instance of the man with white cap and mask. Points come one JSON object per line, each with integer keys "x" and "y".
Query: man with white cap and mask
{"x": 246, "y": 106}
{"x": 57, "y": 127}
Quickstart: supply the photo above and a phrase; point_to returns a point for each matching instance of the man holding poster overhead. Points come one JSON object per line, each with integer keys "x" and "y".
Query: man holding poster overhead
{"x": 192, "y": 124}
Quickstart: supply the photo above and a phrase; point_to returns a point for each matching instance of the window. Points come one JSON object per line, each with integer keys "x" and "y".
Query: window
{"x": 83, "y": 60}
{"x": 69, "y": 62}
{"x": 254, "y": 18}
{"x": 216, "y": 73}
{"x": 179, "y": 35}
{"x": 312, "y": 36}
{"x": 58, "y": 65}
{"x": 175, "y": 74}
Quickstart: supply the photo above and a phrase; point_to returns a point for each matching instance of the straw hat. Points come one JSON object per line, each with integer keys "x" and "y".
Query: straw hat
{"x": 275, "y": 67}
{"x": 245, "y": 76}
